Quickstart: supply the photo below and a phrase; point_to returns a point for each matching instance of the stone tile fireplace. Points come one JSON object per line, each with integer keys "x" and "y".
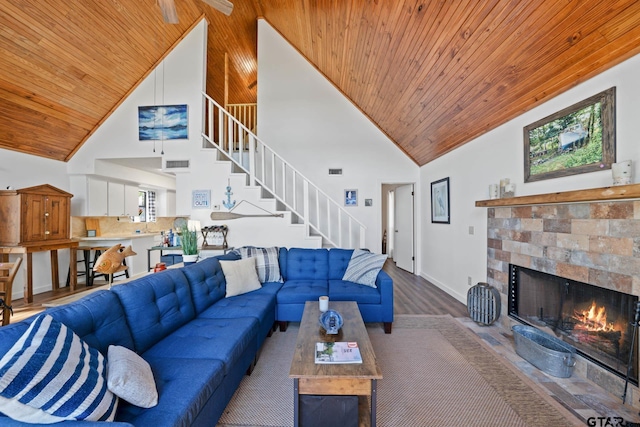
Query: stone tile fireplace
{"x": 596, "y": 321}
{"x": 592, "y": 242}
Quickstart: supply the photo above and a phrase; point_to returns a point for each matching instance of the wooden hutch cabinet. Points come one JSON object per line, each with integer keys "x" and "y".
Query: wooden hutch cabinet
{"x": 35, "y": 214}
{"x": 36, "y": 219}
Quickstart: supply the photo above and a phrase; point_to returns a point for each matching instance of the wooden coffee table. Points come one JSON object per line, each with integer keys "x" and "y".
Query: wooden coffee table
{"x": 358, "y": 379}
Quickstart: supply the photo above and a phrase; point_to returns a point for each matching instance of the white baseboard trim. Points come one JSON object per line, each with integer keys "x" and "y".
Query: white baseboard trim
{"x": 447, "y": 289}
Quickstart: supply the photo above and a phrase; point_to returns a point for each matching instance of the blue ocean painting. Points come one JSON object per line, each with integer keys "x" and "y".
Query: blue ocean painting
{"x": 162, "y": 122}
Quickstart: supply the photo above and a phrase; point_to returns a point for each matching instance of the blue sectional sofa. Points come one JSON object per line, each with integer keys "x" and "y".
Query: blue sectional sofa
{"x": 198, "y": 343}
{"x": 311, "y": 273}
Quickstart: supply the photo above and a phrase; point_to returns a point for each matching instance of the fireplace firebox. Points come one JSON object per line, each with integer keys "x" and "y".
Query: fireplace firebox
{"x": 597, "y": 321}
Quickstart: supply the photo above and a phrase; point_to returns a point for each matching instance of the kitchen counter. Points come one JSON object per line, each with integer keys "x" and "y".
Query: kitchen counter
{"x": 139, "y": 242}
{"x": 127, "y": 236}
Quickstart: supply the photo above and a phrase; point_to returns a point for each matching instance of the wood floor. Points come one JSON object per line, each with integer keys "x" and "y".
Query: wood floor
{"x": 412, "y": 295}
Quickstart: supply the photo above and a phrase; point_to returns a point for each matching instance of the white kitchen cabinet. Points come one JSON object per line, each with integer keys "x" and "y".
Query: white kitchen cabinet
{"x": 130, "y": 200}
{"x": 123, "y": 199}
{"x": 116, "y": 199}
{"x": 97, "y": 198}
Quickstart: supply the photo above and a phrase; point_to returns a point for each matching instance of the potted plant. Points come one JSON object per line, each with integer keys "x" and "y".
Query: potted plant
{"x": 189, "y": 242}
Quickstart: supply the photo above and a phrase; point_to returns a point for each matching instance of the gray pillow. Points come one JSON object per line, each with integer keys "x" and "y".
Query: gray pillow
{"x": 364, "y": 267}
{"x": 129, "y": 377}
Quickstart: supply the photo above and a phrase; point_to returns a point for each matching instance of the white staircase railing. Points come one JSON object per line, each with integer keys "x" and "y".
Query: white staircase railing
{"x": 316, "y": 210}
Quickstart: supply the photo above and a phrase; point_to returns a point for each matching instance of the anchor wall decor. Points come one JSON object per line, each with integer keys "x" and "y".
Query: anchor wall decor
{"x": 229, "y": 204}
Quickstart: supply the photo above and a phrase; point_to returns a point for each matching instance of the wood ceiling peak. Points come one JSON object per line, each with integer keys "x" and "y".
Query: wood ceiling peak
{"x": 431, "y": 75}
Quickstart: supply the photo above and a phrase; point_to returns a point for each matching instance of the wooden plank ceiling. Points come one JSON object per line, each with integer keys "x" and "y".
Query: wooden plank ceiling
{"x": 432, "y": 75}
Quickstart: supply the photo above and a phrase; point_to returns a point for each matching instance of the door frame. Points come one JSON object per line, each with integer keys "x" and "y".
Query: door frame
{"x": 384, "y": 190}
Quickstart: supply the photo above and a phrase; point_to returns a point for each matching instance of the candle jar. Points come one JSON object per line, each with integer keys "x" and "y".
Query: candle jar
{"x": 621, "y": 172}
{"x": 323, "y": 304}
{"x": 494, "y": 192}
{"x": 503, "y": 184}
{"x": 509, "y": 190}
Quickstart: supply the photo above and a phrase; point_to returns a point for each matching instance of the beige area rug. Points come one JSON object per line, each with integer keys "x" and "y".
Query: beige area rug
{"x": 436, "y": 373}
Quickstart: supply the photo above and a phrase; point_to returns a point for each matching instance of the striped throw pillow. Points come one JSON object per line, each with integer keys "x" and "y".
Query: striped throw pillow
{"x": 364, "y": 267}
{"x": 51, "y": 375}
{"x": 267, "y": 262}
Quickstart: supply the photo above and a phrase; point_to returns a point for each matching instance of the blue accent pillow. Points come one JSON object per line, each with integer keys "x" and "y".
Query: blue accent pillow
{"x": 364, "y": 267}
{"x": 51, "y": 375}
{"x": 266, "y": 262}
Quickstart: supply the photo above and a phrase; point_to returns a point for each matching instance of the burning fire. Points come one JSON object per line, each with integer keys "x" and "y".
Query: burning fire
{"x": 593, "y": 319}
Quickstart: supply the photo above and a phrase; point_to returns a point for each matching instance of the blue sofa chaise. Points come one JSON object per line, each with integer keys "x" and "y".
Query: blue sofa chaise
{"x": 198, "y": 343}
{"x": 311, "y": 273}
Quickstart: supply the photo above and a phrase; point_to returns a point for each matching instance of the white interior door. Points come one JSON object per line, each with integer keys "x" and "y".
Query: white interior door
{"x": 403, "y": 230}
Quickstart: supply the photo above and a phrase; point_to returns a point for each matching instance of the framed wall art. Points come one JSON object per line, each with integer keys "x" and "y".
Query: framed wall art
{"x": 163, "y": 122}
{"x": 440, "y": 201}
{"x": 578, "y": 139}
{"x": 201, "y": 199}
{"x": 351, "y": 197}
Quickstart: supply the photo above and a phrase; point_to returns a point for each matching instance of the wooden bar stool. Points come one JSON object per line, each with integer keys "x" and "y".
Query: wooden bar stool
{"x": 8, "y": 272}
{"x": 88, "y": 262}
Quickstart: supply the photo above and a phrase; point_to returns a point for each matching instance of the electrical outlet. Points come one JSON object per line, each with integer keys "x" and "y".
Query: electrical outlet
{"x": 471, "y": 229}
{"x": 469, "y": 280}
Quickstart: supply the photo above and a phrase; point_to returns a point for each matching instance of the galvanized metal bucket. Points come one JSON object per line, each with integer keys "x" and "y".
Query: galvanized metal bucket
{"x": 545, "y": 352}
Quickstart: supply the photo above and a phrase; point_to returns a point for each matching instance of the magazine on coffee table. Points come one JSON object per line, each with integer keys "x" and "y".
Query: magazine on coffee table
{"x": 337, "y": 352}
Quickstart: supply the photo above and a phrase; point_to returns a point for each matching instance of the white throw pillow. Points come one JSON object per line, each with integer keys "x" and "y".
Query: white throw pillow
{"x": 50, "y": 375}
{"x": 129, "y": 377}
{"x": 241, "y": 276}
{"x": 364, "y": 267}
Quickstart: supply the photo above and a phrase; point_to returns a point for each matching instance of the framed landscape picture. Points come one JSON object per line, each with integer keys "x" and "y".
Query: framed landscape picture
{"x": 440, "y": 201}
{"x": 578, "y": 139}
{"x": 163, "y": 122}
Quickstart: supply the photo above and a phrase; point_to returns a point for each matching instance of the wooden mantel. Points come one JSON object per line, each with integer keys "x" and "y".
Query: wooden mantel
{"x": 631, "y": 191}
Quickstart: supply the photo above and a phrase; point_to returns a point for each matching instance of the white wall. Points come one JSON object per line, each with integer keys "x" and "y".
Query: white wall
{"x": 305, "y": 119}
{"x": 449, "y": 253}
{"x": 179, "y": 79}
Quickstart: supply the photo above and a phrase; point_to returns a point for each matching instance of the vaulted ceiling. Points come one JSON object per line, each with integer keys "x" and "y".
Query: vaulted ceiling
{"x": 432, "y": 75}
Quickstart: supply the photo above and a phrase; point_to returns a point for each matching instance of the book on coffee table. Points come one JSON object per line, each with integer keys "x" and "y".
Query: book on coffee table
{"x": 337, "y": 352}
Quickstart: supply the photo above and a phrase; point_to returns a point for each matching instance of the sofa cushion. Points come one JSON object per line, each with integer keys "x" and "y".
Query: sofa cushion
{"x": 364, "y": 267}
{"x": 241, "y": 276}
{"x": 267, "y": 263}
{"x": 341, "y": 290}
{"x": 247, "y": 305}
{"x": 338, "y": 262}
{"x": 130, "y": 378}
{"x": 307, "y": 264}
{"x": 221, "y": 339}
{"x": 51, "y": 375}
{"x": 97, "y": 318}
{"x": 206, "y": 280}
{"x": 155, "y": 305}
{"x": 184, "y": 387}
{"x": 301, "y": 291}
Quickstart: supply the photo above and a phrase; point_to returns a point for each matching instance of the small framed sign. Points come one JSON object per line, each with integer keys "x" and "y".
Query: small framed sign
{"x": 201, "y": 199}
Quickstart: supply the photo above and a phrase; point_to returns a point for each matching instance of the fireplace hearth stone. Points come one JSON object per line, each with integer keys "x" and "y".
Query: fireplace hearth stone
{"x": 547, "y": 353}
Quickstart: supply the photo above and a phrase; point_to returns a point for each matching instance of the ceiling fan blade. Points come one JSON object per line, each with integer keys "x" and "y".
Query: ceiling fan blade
{"x": 224, "y": 6}
{"x": 169, "y": 13}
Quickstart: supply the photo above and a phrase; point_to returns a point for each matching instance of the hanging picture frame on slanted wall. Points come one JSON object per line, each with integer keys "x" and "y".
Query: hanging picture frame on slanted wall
{"x": 440, "y": 201}
{"x": 579, "y": 139}
{"x": 163, "y": 122}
